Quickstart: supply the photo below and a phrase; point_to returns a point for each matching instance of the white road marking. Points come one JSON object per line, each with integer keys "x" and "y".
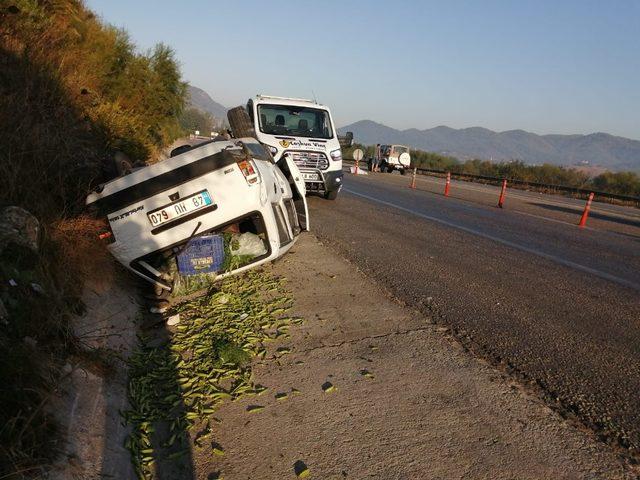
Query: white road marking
{"x": 533, "y": 251}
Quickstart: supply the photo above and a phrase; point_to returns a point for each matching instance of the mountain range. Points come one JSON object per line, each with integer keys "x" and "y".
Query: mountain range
{"x": 200, "y": 99}
{"x": 596, "y": 149}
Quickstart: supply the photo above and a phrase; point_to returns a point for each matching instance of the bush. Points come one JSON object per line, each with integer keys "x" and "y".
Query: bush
{"x": 625, "y": 183}
{"x": 73, "y": 91}
{"x": 194, "y": 119}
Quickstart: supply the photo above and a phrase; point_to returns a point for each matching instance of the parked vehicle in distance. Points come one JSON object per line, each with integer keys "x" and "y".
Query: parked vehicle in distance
{"x": 394, "y": 157}
{"x": 225, "y": 188}
{"x": 302, "y": 130}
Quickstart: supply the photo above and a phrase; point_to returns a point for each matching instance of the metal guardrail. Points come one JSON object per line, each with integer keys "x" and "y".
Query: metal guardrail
{"x": 575, "y": 191}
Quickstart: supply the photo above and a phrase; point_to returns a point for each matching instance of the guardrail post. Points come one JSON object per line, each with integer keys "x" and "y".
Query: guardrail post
{"x": 413, "y": 178}
{"x": 447, "y": 185}
{"x": 585, "y": 214}
{"x": 503, "y": 191}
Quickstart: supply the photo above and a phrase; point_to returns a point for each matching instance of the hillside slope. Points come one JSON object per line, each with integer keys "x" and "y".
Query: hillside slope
{"x": 202, "y": 100}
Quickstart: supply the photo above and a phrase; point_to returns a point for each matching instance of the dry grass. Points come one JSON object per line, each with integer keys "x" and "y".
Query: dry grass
{"x": 81, "y": 255}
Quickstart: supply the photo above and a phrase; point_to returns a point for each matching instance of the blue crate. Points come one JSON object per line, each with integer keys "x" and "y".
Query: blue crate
{"x": 203, "y": 254}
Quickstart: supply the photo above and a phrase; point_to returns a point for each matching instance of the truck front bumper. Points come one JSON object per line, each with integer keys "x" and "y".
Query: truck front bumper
{"x": 319, "y": 181}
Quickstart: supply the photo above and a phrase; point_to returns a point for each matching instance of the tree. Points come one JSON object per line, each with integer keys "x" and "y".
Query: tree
{"x": 194, "y": 119}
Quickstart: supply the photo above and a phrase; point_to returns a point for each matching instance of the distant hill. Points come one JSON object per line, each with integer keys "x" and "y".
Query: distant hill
{"x": 201, "y": 100}
{"x": 598, "y": 149}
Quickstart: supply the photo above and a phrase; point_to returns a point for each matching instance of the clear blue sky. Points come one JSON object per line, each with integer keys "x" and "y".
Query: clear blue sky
{"x": 545, "y": 66}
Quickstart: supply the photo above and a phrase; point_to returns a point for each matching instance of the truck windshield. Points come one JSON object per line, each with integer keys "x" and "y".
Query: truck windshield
{"x": 294, "y": 121}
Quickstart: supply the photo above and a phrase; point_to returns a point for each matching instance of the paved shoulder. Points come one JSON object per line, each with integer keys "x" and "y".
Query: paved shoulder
{"x": 370, "y": 389}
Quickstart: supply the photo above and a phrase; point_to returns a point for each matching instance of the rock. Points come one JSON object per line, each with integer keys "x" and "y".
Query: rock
{"x": 19, "y": 227}
{"x": 37, "y": 288}
{"x": 158, "y": 309}
{"x": 173, "y": 320}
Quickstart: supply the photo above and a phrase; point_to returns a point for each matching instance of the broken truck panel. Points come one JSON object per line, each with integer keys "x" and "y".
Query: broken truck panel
{"x": 224, "y": 186}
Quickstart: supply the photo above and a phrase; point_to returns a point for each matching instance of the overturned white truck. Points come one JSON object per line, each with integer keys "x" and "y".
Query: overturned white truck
{"x": 299, "y": 129}
{"x": 217, "y": 191}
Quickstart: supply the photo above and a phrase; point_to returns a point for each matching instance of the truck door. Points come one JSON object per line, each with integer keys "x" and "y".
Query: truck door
{"x": 298, "y": 189}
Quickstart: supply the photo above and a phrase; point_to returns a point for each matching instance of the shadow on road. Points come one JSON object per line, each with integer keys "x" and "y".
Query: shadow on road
{"x": 597, "y": 215}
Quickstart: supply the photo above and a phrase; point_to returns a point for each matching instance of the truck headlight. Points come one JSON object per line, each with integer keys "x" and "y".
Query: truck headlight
{"x": 336, "y": 155}
{"x": 273, "y": 150}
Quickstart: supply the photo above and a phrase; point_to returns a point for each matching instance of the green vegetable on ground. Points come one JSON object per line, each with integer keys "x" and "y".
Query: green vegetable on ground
{"x": 178, "y": 385}
{"x": 301, "y": 470}
{"x": 328, "y": 387}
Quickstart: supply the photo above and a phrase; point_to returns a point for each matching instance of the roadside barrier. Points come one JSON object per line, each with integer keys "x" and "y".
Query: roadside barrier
{"x": 447, "y": 185}
{"x": 413, "y": 179}
{"x": 585, "y": 214}
{"x": 503, "y": 191}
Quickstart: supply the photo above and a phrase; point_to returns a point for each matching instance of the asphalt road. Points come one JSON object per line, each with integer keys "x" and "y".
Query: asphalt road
{"x": 556, "y": 305}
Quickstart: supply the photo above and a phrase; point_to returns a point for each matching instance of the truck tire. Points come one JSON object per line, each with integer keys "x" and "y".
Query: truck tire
{"x": 331, "y": 195}
{"x": 389, "y": 169}
{"x": 403, "y": 171}
{"x": 240, "y": 123}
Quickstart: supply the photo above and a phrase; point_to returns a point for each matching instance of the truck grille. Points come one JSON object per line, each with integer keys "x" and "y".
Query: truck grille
{"x": 315, "y": 160}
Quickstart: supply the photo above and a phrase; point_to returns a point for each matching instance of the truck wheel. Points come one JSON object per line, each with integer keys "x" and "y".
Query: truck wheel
{"x": 389, "y": 169}
{"x": 403, "y": 171}
{"x": 240, "y": 123}
{"x": 331, "y": 195}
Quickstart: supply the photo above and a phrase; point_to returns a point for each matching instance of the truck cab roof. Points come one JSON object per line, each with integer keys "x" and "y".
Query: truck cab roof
{"x": 270, "y": 99}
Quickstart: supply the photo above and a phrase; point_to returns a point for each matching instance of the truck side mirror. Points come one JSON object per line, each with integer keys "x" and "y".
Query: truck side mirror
{"x": 346, "y": 140}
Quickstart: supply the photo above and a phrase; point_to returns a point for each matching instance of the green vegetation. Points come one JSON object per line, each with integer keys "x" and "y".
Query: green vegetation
{"x": 625, "y": 183}
{"x": 76, "y": 91}
{"x": 175, "y": 387}
{"x": 622, "y": 183}
{"x": 73, "y": 91}
{"x": 195, "y": 119}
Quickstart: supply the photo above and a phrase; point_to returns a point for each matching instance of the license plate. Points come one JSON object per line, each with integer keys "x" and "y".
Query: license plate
{"x": 180, "y": 208}
{"x": 311, "y": 176}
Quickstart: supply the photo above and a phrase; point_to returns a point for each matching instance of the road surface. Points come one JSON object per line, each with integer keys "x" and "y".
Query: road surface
{"x": 556, "y": 305}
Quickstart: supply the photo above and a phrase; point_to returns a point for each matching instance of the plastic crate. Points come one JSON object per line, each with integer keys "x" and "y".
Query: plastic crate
{"x": 203, "y": 254}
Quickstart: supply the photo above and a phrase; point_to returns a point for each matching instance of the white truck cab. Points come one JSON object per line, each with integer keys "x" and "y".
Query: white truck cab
{"x": 302, "y": 130}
